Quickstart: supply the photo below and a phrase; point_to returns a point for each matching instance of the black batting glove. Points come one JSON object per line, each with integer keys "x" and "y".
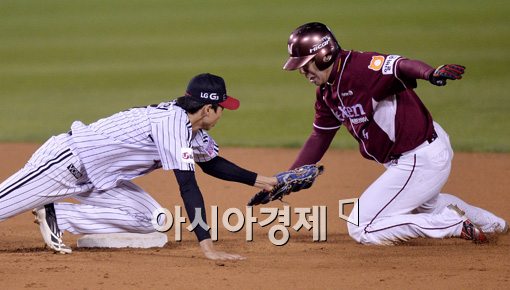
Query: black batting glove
{"x": 444, "y": 72}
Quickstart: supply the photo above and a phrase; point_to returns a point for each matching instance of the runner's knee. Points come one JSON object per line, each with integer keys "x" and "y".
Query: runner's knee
{"x": 355, "y": 232}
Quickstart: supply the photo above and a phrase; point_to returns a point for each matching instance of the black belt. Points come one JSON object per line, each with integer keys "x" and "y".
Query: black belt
{"x": 431, "y": 139}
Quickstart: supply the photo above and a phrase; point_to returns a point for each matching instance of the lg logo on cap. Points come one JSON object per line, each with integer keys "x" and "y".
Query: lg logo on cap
{"x": 210, "y": 96}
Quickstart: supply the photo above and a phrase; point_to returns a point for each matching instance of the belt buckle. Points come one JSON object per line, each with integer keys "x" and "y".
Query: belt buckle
{"x": 394, "y": 158}
{"x": 432, "y": 138}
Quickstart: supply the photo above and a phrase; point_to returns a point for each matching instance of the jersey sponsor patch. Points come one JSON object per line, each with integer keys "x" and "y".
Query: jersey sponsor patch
{"x": 74, "y": 171}
{"x": 187, "y": 155}
{"x": 389, "y": 64}
{"x": 209, "y": 148}
{"x": 376, "y": 63}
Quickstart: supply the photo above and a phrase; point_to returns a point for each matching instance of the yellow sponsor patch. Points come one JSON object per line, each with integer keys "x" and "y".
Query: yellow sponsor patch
{"x": 376, "y": 63}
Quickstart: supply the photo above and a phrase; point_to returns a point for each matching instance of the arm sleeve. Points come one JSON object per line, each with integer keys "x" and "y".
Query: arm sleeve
{"x": 193, "y": 199}
{"x": 226, "y": 170}
{"x": 315, "y": 147}
{"x": 414, "y": 69}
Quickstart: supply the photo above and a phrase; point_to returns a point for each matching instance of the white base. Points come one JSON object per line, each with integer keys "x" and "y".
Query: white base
{"x": 123, "y": 240}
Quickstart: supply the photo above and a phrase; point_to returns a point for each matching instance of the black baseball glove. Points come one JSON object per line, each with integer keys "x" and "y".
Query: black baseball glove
{"x": 444, "y": 72}
{"x": 289, "y": 181}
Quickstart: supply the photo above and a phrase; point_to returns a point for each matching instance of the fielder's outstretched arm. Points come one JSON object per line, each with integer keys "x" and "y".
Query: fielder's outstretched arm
{"x": 221, "y": 168}
{"x": 193, "y": 200}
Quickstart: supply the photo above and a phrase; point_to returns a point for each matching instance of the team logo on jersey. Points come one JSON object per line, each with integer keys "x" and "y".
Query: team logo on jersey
{"x": 187, "y": 155}
{"x": 365, "y": 134}
{"x": 376, "y": 63}
{"x": 355, "y": 114}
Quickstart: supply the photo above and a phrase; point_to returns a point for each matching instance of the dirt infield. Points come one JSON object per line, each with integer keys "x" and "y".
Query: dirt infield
{"x": 338, "y": 263}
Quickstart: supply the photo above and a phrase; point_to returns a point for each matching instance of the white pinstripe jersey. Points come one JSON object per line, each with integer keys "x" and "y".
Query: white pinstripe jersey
{"x": 137, "y": 141}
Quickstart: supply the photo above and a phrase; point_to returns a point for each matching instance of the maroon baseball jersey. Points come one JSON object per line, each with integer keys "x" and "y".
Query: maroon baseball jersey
{"x": 378, "y": 107}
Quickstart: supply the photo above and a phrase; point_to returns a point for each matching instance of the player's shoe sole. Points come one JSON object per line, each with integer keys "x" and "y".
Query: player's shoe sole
{"x": 52, "y": 239}
{"x": 469, "y": 230}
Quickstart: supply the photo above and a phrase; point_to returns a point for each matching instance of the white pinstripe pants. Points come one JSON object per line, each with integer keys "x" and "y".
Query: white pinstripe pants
{"x": 47, "y": 177}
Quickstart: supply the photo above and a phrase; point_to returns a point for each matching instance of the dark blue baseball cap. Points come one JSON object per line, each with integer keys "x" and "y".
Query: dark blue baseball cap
{"x": 210, "y": 89}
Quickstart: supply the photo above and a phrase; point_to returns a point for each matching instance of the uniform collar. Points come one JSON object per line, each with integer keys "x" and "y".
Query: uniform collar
{"x": 337, "y": 66}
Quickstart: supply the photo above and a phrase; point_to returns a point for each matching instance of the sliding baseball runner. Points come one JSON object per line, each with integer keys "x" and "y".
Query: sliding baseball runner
{"x": 372, "y": 95}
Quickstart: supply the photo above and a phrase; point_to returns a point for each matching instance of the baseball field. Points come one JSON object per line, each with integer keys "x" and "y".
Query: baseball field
{"x": 62, "y": 61}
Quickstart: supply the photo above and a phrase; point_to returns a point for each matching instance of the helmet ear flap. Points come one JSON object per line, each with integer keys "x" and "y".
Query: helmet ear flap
{"x": 326, "y": 57}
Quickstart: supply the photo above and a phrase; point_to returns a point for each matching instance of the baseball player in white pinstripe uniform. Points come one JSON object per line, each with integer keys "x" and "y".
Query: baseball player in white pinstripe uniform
{"x": 95, "y": 164}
